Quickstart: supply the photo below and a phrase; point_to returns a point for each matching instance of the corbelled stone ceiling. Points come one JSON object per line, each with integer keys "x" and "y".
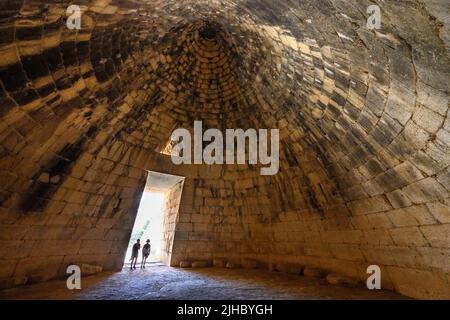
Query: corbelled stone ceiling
{"x": 364, "y": 134}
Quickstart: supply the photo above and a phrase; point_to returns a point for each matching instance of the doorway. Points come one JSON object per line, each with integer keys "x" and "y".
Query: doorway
{"x": 148, "y": 224}
{"x": 154, "y": 219}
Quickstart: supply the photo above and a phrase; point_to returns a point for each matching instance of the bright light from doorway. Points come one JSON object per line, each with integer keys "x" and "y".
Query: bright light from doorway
{"x": 148, "y": 225}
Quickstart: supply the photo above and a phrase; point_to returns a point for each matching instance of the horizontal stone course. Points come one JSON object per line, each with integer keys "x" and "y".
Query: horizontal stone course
{"x": 363, "y": 120}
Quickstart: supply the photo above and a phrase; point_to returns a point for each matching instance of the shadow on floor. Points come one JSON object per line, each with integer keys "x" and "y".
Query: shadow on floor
{"x": 160, "y": 282}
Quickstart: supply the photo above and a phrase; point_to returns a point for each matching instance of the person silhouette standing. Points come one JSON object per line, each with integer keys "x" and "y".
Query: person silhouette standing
{"x": 135, "y": 253}
{"x": 145, "y": 253}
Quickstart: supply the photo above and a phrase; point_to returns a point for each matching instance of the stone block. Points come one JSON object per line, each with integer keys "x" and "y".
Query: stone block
{"x": 419, "y": 284}
{"x": 437, "y": 235}
{"x": 291, "y": 268}
{"x": 425, "y": 190}
{"x": 432, "y": 98}
{"x": 440, "y": 211}
{"x": 312, "y": 272}
{"x": 20, "y": 280}
{"x": 398, "y": 199}
{"x": 378, "y": 237}
{"x": 428, "y": 119}
{"x": 7, "y": 283}
{"x": 407, "y": 236}
{"x": 370, "y": 205}
{"x": 232, "y": 265}
{"x": 249, "y": 263}
{"x": 379, "y": 220}
{"x": 411, "y": 216}
{"x": 88, "y": 269}
{"x": 400, "y": 104}
{"x": 39, "y": 268}
{"x": 340, "y": 280}
{"x": 220, "y": 262}
{"x": 436, "y": 258}
{"x": 200, "y": 264}
{"x": 185, "y": 264}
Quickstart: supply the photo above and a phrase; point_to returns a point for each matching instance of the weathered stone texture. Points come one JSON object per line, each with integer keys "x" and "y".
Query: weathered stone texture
{"x": 363, "y": 118}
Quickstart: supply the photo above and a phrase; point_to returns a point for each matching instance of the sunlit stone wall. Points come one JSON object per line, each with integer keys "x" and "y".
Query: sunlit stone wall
{"x": 363, "y": 119}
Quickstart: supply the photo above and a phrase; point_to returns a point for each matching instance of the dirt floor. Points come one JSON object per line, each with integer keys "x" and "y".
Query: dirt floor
{"x": 158, "y": 281}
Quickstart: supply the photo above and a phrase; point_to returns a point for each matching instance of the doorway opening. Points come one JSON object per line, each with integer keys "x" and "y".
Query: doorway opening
{"x": 148, "y": 225}
{"x": 154, "y": 219}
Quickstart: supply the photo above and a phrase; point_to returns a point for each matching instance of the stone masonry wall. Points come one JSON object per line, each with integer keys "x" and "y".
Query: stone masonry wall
{"x": 171, "y": 224}
{"x": 363, "y": 118}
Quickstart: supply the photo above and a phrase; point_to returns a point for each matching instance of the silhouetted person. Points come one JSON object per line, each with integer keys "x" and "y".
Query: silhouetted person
{"x": 145, "y": 253}
{"x": 135, "y": 253}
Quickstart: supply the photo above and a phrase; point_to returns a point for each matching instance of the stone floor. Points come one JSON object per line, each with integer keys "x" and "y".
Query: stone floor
{"x": 158, "y": 281}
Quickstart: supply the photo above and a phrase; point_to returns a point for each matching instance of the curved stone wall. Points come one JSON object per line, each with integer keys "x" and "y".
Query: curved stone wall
{"x": 363, "y": 119}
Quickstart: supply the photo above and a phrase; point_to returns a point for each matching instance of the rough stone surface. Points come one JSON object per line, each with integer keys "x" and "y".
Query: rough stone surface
{"x": 87, "y": 269}
{"x": 363, "y": 118}
{"x": 220, "y": 262}
{"x": 161, "y": 282}
{"x": 291, "y": 268}
{"x": 7, "y": 283}
{"x": 185, "y": 264}
{"x": 314, "y": 272}
{"x": 200, "y": 264}
{"x": 233, "y": 265}
{"x": 249, "y": 263}
{"x": 337, "y": 279}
